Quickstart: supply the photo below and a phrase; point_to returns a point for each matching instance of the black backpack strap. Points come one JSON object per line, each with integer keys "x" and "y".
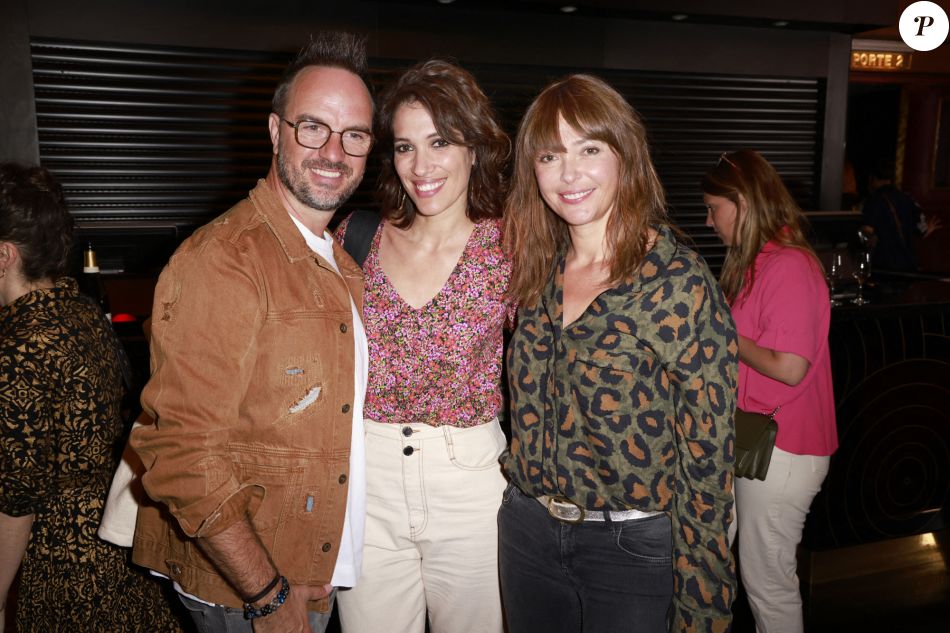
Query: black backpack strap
{"x": 360, "y": 230}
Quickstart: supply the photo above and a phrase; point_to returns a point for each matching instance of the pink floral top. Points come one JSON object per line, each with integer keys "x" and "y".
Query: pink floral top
{"x": 440, "y": 364}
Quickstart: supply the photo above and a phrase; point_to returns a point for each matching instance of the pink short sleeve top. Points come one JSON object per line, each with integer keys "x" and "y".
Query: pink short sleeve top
{"x": 788, "y": 310}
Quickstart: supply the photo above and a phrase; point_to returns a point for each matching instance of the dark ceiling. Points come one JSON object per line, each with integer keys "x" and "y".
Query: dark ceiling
{"x": 844, "y": 16}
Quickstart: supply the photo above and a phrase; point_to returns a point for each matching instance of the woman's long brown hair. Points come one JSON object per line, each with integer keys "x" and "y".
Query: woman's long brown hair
{"x": 463, "y": 116}
{"x": 766, "y": 212}
{"x": 534, "y": 234}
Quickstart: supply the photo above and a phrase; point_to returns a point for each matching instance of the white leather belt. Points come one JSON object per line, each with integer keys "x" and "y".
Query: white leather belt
{"x": 563, "y": 509}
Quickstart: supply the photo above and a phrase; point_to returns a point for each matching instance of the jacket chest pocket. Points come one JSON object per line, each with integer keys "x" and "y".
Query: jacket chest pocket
{"x": 300, "y": 367}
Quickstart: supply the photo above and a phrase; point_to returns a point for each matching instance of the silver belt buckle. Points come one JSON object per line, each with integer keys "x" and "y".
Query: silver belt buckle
{"x": 563, "y": 509}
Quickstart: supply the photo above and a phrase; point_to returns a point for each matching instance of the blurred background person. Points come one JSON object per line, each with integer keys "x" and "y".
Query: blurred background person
{"x": 622, "y": 373}
{"x": 893, "y": 220}
{"x": 779, "y": 300}
{"x": 60, "y": 397}
{"x": 434, "y": 309}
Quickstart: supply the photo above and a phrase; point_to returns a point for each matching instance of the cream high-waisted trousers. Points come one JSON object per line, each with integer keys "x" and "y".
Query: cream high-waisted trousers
{"x": 432, "y": 499}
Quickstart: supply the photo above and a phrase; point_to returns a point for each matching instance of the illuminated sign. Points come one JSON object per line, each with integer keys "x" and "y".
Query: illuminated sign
{"x": 880, "y": 60}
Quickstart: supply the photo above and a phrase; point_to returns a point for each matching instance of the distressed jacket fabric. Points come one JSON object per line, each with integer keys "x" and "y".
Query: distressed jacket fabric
{"x": 251, "y": 389}
{"x": 630, "y": 407}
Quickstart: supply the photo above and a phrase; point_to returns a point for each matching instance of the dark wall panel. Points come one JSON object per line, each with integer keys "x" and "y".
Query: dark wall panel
{"x": 157, "y": 137}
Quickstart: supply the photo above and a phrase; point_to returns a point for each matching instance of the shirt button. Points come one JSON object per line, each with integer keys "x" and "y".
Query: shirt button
{"x": 342, "y": 479}
{"x": 407, "y": 451}
{"x": 407, "y": 431}
{"x": 343, "y": 327}
{"x": 346, "y": 408}
{"x": 326, "y": 547}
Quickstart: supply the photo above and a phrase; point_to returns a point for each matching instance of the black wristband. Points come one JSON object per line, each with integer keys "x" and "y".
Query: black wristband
{"x": 251, "y": 612}
{"x": 263, "y": 592}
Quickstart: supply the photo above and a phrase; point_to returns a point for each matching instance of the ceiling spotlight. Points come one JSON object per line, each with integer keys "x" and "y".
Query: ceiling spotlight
{"x": 445, "y": 1}
{"x": 679, "y": 17}
{"x": 568, "y": 8}
{"x": 780, "y": 23}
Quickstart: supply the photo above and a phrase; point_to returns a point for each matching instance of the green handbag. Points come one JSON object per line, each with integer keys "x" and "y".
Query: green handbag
{"x": 755, "y": 438}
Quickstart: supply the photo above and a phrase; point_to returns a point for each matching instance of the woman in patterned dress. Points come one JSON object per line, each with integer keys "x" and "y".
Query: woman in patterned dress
{"x": 434, "y": 309}
{"x": 622, "y": 378}
{"x": 779, "y": 300}
{"x": 60, "y": 392}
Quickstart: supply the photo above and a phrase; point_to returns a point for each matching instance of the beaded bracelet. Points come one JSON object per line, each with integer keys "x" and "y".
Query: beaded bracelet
{"x": 251, "y": 612}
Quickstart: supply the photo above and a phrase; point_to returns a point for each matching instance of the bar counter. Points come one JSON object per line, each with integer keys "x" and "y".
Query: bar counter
{"x": 891, "y": 365}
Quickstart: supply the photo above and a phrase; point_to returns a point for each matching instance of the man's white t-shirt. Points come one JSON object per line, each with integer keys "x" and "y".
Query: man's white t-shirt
{"x": 350, "y": 556}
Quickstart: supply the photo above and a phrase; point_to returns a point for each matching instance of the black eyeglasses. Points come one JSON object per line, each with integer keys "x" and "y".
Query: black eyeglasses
{"x": 314, "y": 135}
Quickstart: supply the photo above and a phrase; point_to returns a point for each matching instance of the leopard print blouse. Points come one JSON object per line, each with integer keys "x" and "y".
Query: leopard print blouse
{"x": 630, "y": 407}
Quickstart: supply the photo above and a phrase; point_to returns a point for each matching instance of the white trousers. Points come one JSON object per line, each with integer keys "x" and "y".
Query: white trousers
{"x": 432, "y": 499}
{"x": 771, "y": 517}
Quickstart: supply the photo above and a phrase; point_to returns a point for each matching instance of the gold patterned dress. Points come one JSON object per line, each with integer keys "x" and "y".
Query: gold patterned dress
{"x": 60, "y": 393}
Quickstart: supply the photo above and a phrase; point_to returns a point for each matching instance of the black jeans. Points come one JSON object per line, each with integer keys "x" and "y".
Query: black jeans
{"x": 593, "y": 577}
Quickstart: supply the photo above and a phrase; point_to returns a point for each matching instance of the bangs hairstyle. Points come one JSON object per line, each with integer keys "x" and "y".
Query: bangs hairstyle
{"x": 745, "y": 178}
{"x": 329, "y": 49}
{"x": 462, "y": 115}
{"x": 534, "y": 234}
{"x": 33, "y": 216}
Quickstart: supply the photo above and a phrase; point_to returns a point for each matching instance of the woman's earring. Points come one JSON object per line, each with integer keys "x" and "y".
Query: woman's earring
{"x": 402, "y": 199}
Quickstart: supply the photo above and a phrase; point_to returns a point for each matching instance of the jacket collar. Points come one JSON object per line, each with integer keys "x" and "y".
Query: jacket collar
{"x": 294, "y": 246}
{"x": 274, "y": 214}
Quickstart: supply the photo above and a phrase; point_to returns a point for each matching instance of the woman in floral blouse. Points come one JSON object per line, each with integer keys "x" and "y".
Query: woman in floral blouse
{"x": 622, "y": 372}
{"x": 61, "y": 388}
{"x": 434, "y": 309}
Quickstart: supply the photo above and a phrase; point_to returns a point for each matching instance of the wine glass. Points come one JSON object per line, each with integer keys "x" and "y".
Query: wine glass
{"x": 862, "y": 272}
{"x": 834, "y": 276}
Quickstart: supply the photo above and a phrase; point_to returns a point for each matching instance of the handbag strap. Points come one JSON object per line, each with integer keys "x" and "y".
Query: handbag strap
{"x": 360, "y": 230}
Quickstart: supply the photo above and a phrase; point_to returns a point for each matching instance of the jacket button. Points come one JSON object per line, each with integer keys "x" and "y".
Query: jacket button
{"x": 342, "y": 479}
{"x": 346, "y": 408}
{"x": 175, "y": 570}
{"x": 407, "y": 451}
{"x": 326, "y": 547}
{"x": 407, "y": 431}
{"x": 343, "y": 327}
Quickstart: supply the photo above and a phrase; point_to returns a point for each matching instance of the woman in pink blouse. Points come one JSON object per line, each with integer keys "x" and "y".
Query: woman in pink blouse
{"x": 779, "y": 300}
{"x": 435, "y": 306}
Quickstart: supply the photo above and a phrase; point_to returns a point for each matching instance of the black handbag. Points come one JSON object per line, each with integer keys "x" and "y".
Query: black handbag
{"x": 755, "y": 439}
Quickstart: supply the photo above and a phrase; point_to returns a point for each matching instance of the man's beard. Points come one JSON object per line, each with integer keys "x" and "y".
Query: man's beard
{"x": 315, "y": 198}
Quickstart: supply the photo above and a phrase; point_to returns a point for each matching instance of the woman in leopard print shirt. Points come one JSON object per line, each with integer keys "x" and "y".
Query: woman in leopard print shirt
{"x": 622, "y": 373}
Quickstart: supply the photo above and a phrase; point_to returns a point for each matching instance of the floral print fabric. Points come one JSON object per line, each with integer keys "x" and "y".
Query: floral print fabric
{"x": 441, "y": 363}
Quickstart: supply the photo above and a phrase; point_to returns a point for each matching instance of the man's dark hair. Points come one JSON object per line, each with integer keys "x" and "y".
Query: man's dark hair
{"x": 331, "y": 49}
{"x": 33, "y": 216}
{"x": 883, "y": 169}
